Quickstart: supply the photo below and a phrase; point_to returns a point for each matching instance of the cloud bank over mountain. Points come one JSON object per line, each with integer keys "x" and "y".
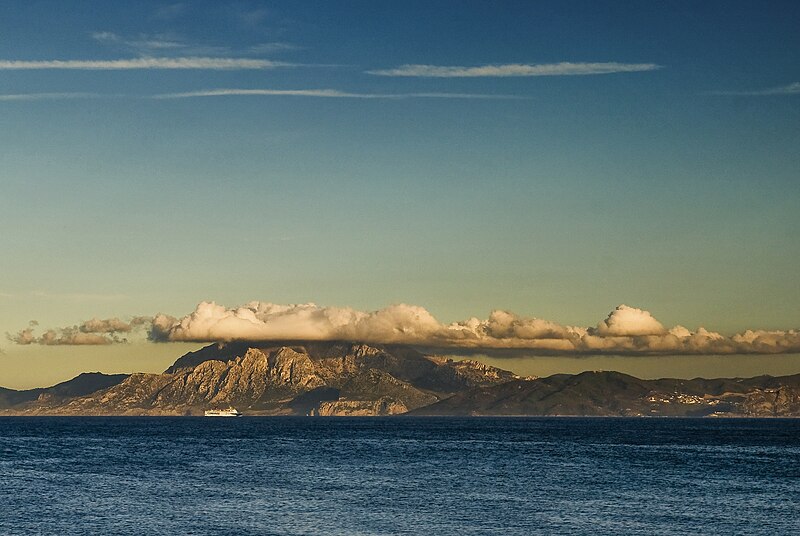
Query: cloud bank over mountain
{"x": 626, "y": 331}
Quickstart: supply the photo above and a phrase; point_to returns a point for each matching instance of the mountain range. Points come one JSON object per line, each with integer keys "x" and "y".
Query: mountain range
{"x": 355, "y": 379}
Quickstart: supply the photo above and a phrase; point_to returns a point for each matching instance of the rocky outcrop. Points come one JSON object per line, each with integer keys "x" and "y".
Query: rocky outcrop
{"x": 136, "y": 395}
{"x": 360, "y": 408}
{"x": 777, "y": 402}
{"x": 375, "y": 384}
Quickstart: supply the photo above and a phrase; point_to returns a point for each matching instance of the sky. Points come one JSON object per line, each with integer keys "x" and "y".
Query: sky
{"x": 552, "y": 160}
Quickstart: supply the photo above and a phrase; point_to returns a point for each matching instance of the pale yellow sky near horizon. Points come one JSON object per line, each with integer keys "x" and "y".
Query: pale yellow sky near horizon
{"x": 26, "y": 367}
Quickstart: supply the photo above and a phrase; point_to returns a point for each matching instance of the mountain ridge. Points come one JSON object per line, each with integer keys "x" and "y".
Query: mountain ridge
{"x": 268, "y": 378}
{"x": 352, "y": 378}
{"x": 84, "y": 383}
{"x": 608, "y": 393}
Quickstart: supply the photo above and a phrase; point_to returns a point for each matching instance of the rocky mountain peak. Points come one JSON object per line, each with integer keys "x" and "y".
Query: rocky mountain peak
{"x": 338, "y": 377}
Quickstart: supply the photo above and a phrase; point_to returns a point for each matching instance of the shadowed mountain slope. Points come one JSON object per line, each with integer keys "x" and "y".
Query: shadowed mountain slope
{"x": 616, "y": 394}
{"x": 81, "y": 385}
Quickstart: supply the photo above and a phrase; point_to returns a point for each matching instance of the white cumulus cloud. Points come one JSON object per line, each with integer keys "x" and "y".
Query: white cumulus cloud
{"x": 627, "y": 321}
{"x": 625, "y": 331}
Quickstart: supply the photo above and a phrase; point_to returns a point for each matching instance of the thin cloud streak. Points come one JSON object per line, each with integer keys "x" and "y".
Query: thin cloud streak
{"x": 273, "y": 47}
{"x": 144, "y": 42}
{"x": 52, "y": 96}
{"x": 790, "y": 89}
{"x": 317, "y": 93}
{"x": 147, "y": 45}
{"x": 199, "y": 63}
{"x": 326, "y": 93}
{"x": 515, "y": 69}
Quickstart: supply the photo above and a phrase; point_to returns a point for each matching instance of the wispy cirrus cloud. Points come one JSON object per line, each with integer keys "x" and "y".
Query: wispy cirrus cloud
{"x": 314, "y": 93}
{"x": 51, "y": 96}
{"x": 326, "y": 93}
{"x": 273, "y": 47}
{"x": 171, "y": 44}
{"x": 515, "y": 69}
{"x": 199, "y": 63}
{"x": 143, "y": 41}
{"x": 106, "y": 37}
{"x": 145, "y": 44}
{"x": 790, "y": 89}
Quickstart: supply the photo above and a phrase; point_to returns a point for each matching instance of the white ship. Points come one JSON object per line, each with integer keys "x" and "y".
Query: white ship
{"x": 230, "y": 412}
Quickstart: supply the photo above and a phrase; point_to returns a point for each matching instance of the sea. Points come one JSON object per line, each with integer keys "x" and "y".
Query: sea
{"x": 398, "y": 475}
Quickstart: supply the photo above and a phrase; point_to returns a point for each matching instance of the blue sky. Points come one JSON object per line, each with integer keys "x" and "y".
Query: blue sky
{"x": 670, "y": 183}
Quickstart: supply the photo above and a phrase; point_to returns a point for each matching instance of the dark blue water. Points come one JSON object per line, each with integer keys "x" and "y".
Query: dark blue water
{"x": 398, "y": 476}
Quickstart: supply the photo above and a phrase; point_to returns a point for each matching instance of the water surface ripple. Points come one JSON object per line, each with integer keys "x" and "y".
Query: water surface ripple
{"x": 376, "y": 476}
